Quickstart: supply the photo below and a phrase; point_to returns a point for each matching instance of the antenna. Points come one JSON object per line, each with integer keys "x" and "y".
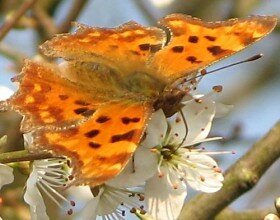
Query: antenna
{"x": 187, "y": 129}
{"x": 203, "y": 72}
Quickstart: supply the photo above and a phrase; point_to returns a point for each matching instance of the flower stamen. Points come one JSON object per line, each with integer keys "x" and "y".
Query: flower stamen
{"x": 53, "y": 175}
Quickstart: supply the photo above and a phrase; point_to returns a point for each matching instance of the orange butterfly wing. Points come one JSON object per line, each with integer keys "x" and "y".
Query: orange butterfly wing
{"x": 195, "y": 44}
{"x": 129, "y": 48}
{"x": 47, "y": 99}
{"x": 125, "y": 49}
{"x": 97, "y": 133}
{"x": 102, "y": 145}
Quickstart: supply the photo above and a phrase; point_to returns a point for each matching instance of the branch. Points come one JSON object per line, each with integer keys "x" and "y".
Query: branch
{"x": 46, "y": 22}
{"x": 239, "y": 178}
{"x": 74, "y": 12}
{"x": 8, "y": 25}
{"x": 146, "y": 11}
{"x": 257, "y": 214}
{"x": 22, "y": 155}
{"x": 48, "y": 28}
{"x": 17, "y": 56}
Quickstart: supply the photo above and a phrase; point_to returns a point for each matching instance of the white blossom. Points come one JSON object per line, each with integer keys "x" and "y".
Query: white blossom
{"x": 168, "y": 159}
{"x": 271, "y": 217}
{"x": 110, "y": 202}
{"x": 48, "y": 177}
{"x": 5, "y": 93}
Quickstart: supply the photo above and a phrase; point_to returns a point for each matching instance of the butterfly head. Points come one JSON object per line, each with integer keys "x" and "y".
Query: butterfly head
{"x": 170, "y": 101}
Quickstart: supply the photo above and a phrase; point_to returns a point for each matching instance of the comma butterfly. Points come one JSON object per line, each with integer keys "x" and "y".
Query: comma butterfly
{"x": 116, "y": 77}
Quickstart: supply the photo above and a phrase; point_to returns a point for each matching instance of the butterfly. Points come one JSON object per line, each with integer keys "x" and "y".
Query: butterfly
{"x": 94, "y": 107}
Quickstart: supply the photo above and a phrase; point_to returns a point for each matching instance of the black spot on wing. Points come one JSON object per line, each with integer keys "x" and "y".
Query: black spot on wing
{"x": 102, "y": 119}
{"x": 144, "y": 47}
{"x": 216, "y": 50}
{"x": 127, "y": 120}
{"x": 193, "y": 59}
{"x": 177, "y": 49}
{"x": 193, "y": 39}
{"x": 89, "y": 112}
{"x": 94, "y": 145}
{"x": 84, "y": 111}
{"x": 93, "y": 133}
{"x": 128, "y": 136}
{"x": 80, "y": 111}
{"x": 210, "y": 38}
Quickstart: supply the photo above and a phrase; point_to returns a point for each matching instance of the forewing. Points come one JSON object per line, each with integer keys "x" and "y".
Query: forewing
{"x": 196, "y": 44}
{"x": 102, "y": 145}
{"x": 126, "y": 48}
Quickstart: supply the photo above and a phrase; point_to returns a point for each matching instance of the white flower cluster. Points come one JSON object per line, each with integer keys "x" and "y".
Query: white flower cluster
{"x": 154, "y": 182}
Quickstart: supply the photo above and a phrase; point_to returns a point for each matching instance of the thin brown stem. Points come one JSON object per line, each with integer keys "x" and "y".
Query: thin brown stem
{"x": 146, "y": 11}
{"x": 16, "y": 56}
{"x": 239, "y": 178}
{"x": 73, "y": 14}
{"x": 8, "y": 25}
{"x": 45, "y": 21}
{"x": 22, "y": 155}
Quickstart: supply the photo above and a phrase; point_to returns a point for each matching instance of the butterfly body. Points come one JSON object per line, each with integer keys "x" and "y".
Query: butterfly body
{"x": 95, "y": 106}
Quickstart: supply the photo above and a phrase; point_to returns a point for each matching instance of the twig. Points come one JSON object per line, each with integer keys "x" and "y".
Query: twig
{"x": 22, "y": 155}
{"x": 74, "y": 12}
{"x": 242, "y": 8}
{"x": 46, "y": 22}
{"x": 47, "y": 26}
{"x": 12, "y": 54}
{"x": 6, "y": 27}
{"x": 145, "y": 10}
{"x": 240, "y": 177}
{"x": 257, "y": 214}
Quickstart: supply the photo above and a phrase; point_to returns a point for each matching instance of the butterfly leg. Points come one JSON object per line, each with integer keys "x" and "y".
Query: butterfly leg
{"x": 133, "y": 163}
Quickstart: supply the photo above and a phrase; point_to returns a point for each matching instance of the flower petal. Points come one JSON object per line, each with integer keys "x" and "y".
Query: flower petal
{"x": 137, "y": 171}
{"x": 199, "y": 115}
{"x": 156, "y": 130}
{"x": 109, "y": 201}
{"x": 34, "y": 198}
{"x": 164, "y": 202}
{"x": 6, "y": 175}
{"x": 89, "y": 212}
{"x": 271, "y": 216}
{"x": 204, "y": 175}
{"x": 5, "y": 93}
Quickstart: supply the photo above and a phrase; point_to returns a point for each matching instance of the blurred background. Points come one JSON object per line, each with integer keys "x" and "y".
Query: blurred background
{"x": 253, "y": 88}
